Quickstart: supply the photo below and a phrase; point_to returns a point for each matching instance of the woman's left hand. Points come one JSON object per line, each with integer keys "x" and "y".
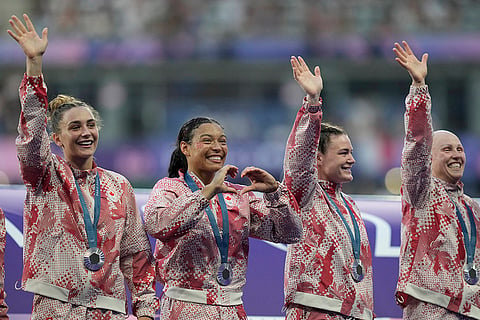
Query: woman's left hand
{"x": 260, "y": 180}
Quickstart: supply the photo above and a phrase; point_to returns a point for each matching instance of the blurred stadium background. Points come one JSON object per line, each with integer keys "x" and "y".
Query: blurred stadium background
{"x": 150, "y": 65}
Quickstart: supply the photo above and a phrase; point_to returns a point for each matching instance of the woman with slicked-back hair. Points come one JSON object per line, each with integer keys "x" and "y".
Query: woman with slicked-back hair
{"x": 84, "y": 237}
{"x": 203, "y": 223}
{"x": 328, "y": 274}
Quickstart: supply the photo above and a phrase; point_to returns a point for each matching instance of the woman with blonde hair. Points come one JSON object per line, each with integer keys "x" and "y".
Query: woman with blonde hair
{"x": 84, "y": 237}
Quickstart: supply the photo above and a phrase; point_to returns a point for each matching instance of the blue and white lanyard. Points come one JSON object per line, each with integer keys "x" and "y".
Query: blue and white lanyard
{"x": 355, "y": 239}
{"x": 221, "y": 240}
{"x": 91, "y": 228}
{"x": 470, "y": 242}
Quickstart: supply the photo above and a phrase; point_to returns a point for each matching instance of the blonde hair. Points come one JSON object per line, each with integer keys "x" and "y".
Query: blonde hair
{"x": 62, "y": 103}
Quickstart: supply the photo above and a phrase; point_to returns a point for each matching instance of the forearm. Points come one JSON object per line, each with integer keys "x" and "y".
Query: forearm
{"x": 139, "y": 273}
{"x": 168, "y": 216}
{"x": 34, "y": 66}
{"x": 277, "y": 217}
{"x": 301, "y": 152}
{"x": 416, "y": 155}
{"x": 33, "y": 143}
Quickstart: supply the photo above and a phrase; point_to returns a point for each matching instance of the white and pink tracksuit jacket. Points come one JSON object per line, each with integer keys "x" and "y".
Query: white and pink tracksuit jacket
{"x": 317, "y": 271}
{"x": 54, "y": 229}
{"x": 186, "y": 252}
{"x": 3, "y": 235}
{"x": 433, "y": 255}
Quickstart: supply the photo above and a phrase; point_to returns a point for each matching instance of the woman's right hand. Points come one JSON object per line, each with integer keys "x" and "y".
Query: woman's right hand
{"x": 311, "y": 83}
{"x": 33, "y": 46}
{"x": 406, "y": 58}
{"x": 27, "y": 37}
{"x": 218, "y": 183}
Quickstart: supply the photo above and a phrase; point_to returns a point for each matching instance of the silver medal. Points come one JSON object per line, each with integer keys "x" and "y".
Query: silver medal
{"x": 93, "y": 259}
{"x": 470, "y": 273}
{"x": 224, "y": 274}
{"x": 357, "y": 270}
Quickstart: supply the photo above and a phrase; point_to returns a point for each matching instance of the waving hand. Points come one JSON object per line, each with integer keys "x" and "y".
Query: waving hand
{"x": 311, "y": 83}
{"x": 32, "y": 45}
{"x": 406, "y": 58}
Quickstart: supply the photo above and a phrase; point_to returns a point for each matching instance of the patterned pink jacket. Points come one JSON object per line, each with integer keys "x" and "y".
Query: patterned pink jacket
{"x": 3, "y": 234}
{"x": 186, "y": 251}
{"x": 54, "y": 230}
{"x": 317, "y": 271}
{"x": 432, "y": 254}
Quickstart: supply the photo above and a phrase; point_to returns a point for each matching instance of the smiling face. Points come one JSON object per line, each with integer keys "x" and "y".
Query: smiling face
{"x": 78, "y": 137}
{"x": 335, "y": 165}
{"x": 448, "y": 157}
{"x": 206, "y": 152}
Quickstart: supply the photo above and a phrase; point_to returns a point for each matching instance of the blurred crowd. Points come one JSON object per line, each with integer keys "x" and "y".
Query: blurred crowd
{"x": 218, "y": 20}
{"x": 236, "y": 28}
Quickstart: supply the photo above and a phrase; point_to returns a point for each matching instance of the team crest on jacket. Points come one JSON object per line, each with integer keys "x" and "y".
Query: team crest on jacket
{"x": 229, "y": 200}
{"x": 112, "y": 196}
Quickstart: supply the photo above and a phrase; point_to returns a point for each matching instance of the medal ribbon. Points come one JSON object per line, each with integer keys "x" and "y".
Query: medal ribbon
{"x": 91, "y": 228}
{"x": 222, "y": 242}
{"x": 470, "y": 242}
{"x": 355, "y": 239}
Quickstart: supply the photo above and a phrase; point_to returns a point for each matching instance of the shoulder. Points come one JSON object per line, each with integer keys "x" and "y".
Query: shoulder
{"x": 111, "y": 174}
{"x": 112, "y": 177}
{"x": 471, "y": 201}
{"x": 348, "y": 198}
{"x": 170, "y": 183}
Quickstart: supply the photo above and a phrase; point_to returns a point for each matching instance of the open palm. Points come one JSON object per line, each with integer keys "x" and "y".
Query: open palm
{"x": 311, "y": 83}
{"x": 27, "y": 37}
{"x": 406, "y": 58}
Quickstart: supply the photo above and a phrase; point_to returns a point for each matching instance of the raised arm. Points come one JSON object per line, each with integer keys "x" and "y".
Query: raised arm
{"x": 300, "y": 162}
{"x": 32, "y": 45}
{"x": 416, "y": 155}
{"x": 33, "y": 143}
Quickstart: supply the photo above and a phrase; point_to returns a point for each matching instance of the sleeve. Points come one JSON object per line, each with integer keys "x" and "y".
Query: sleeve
{"x": 275, "y": 217}
{"x": 171, "y": 211}
{"x": 416, "y": 155}
{"x": 33, "y": 143}
{"x": 136, "y": 261}
{"x": 300, "y": 170}
{"x": 139, "y": 273}
{"x": 3, "y": 305}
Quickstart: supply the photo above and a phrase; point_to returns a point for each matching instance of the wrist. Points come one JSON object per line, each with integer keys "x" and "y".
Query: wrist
{"x": 274, "y": 187}
{"x": 34, "y": 66}
{"x": 208, "y": 192}
{"x": 313, "y": 100}
{"x": 418, "y": 83}
{"x": 314, "y": 105}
